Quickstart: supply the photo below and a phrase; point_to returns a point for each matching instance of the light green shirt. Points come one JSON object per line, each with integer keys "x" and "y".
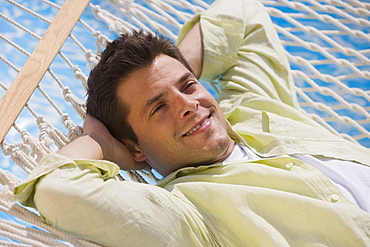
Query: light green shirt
{"x": 269, "y": 202}
{"x": 257, "y": 90}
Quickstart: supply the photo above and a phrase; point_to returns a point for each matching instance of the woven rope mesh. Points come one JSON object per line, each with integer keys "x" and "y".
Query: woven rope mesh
{"x": 327, "y": 43}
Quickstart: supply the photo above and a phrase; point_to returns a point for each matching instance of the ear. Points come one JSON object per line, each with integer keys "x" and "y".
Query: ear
{"x": 135, "y": 151}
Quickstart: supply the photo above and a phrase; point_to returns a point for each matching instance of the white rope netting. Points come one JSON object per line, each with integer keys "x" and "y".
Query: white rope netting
{"x": 327, "y": 43}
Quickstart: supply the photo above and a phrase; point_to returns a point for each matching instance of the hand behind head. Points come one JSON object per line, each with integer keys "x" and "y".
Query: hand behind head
{"x": 112, "y": 149}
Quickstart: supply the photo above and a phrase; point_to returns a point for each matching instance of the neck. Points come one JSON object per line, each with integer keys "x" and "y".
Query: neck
{"x": 227, "y": 152}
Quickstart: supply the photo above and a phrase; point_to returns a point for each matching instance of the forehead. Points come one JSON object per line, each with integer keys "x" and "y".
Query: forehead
{"x": 143, "y": 83}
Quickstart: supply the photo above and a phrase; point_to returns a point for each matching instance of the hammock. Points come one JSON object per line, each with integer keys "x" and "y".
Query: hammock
{"x": 42, "y": 104}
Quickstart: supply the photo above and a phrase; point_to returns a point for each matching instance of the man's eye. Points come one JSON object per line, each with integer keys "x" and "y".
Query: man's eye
{"x": 189, "y": 85}
{"x": 157, "y": 108}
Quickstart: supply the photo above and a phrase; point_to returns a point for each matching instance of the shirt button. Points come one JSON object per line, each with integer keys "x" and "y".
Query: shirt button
{"x": 289, "y": 165}
{"x": 334, "y": 197}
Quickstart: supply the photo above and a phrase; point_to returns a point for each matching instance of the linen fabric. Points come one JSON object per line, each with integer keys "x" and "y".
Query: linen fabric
{"x": 272, "y": 201}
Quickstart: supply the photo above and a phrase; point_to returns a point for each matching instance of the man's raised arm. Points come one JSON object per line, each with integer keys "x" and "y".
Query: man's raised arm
{"x": 78, "y": 192}
{"x": 97, "y": 143}
{"x": 240, "y": 46}
{"x": 191, "y": 48}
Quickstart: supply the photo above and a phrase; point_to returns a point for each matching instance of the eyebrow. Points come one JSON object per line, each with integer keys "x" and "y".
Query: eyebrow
{"x": 160, "y": 95}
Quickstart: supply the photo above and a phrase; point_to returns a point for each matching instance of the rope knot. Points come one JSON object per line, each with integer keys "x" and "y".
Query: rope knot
{"x": 92, "y": 59}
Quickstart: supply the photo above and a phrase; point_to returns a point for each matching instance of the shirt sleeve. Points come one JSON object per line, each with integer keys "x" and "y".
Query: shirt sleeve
{"x": 243, "y": 50}
{"x": 84, "y": 198}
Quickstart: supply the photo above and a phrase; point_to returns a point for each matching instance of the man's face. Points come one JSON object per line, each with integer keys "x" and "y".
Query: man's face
{"x": 177, "y": 121}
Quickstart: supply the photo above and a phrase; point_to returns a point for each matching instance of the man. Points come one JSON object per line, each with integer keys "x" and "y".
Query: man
{"x": 247, "y": 181}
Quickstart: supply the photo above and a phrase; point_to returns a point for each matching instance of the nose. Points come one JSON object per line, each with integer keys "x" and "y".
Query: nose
{"x": 186, "y": 105}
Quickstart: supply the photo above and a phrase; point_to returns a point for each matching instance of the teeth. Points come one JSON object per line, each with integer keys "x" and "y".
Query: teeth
{"x": 195, "y": 128}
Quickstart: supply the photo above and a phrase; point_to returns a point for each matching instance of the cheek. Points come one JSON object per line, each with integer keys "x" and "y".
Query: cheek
{"x": 158, "y": 142}
{"x": 207, "y": 99}
{"x": 162, "y": 129}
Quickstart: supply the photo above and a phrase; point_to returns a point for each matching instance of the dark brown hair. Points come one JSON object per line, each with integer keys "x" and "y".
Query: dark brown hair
{"x": 121, "y": 57}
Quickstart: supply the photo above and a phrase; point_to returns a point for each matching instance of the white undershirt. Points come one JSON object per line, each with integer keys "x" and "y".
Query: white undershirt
{"x": 352, "y": 179}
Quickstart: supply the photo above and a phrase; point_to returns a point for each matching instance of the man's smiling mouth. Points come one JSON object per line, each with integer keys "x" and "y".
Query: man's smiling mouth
{"x": 197, "y": 127}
